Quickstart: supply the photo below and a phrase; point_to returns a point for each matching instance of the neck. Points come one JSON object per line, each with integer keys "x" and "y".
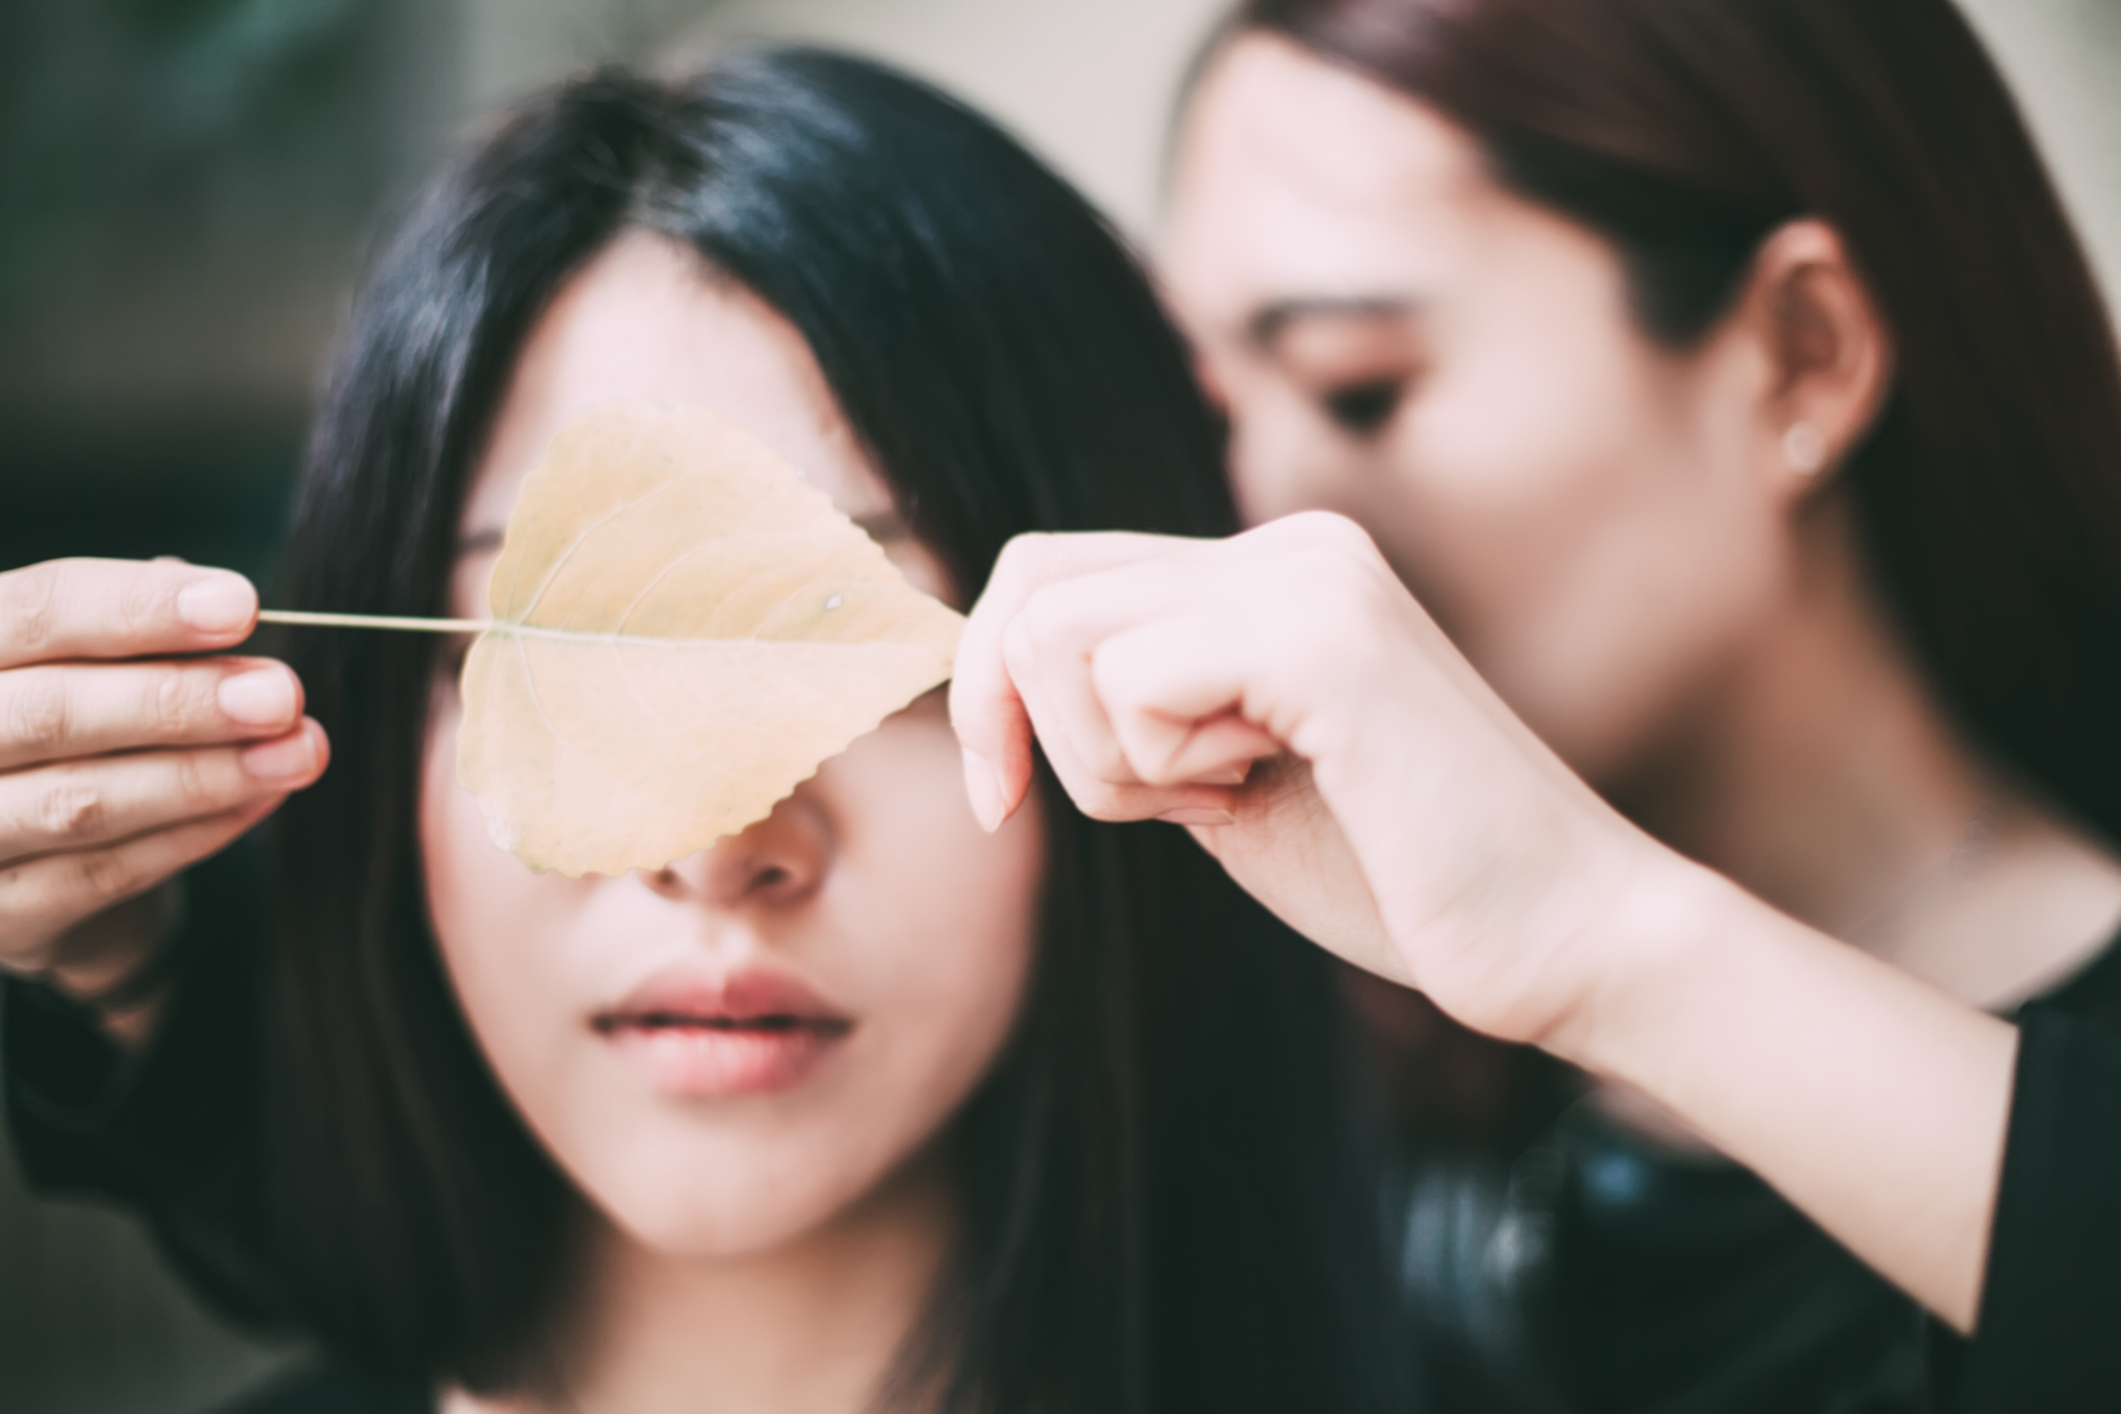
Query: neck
{"x": 812, "y": 1326}
{"x": 1821, "y": 771}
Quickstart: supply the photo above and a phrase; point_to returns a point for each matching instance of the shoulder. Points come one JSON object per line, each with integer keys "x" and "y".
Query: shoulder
{"x": 328, "y": 1389}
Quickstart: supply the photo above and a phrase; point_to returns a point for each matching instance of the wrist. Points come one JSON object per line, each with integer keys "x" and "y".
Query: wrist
{"x": 1872, "y": 1101}
{"x": 1670, "y": 943}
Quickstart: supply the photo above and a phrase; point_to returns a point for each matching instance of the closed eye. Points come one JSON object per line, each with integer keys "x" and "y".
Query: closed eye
{"x": 1362, "y": 409}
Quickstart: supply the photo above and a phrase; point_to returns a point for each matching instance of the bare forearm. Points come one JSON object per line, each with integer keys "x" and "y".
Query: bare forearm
{"x": 1873, "y": 1102}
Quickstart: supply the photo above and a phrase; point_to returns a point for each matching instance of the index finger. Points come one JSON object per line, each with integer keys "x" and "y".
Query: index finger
{"x": 985, "y": 708}
{"x": 71, "y": 609}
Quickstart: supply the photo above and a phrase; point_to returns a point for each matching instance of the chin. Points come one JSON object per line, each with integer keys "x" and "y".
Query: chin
{"x": 720, "y": 1206}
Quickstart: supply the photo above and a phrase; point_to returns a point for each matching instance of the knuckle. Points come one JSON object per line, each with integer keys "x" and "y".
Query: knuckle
{"x": 142, "y": 603}
{"x": 1045, "y": 616}
{"x": 1014, "y": 562}
{"x": 194, "y": 782}
{"x": 1020, "y": 653}
{"x": 1332, "y": 530}
{"x": 176, "y": 700}
{"x": 1101, "y": 801}
{"x": 39, "y": 715}
{"x": 1036, "y": 558}
{"x": 1354, "y": 588}
{"x": 1107, "y": 760}
{"x": 1159, "y": 768}
{"x": 1025, "y": 549}
{"x": 107, "y": 874}
{"x": 1157, "y": 774}
{"x": 29, "y": 608}
{"x": 70, "y": 810}
{"x": 1116, "y": 670}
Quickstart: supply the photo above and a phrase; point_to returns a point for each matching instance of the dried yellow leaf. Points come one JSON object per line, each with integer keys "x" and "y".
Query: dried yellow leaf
{"x": 683, "y": 632}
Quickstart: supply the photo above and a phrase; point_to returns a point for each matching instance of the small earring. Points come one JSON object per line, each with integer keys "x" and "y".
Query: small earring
{"x": 1804, "y": 449}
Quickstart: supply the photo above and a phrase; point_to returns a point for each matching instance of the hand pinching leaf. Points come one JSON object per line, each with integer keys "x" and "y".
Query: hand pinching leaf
{"x": 683, "y": 631}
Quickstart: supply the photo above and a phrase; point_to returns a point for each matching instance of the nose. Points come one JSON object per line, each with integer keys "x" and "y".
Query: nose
{"x": 780, "y": 861}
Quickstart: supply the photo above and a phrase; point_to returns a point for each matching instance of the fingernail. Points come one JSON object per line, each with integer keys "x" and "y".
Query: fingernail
{"x": 983, "y": 788}
{"x": 1229, "y": 776}
{"x": 221, "y": 603}
{"x": 264, "y": 698}
{"x": 1197, "y": 816}
{"x": 290, "y": 758}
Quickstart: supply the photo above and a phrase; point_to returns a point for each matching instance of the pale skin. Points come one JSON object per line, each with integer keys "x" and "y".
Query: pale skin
{"x": 1631, "y": 592}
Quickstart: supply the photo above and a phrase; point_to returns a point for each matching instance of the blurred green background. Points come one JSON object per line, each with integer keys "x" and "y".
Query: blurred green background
{"x": 187, "y": 191}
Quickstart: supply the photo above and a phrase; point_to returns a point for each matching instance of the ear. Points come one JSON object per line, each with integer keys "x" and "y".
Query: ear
{"x": 1828, "y": 353}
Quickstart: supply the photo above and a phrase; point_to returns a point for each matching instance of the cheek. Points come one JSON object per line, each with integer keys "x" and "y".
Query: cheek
{"x": 1576, "y": 514}
{"x": 501, "y": 930}
{"x": 472, "y": 902}
{"x": 1536, "y": 460}
{"x": 925, "y": 929}
{"x": 1284, "y": 456}
{"x": 933, "y": 923}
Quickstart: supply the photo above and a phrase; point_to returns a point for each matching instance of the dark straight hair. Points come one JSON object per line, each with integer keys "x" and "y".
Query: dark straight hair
{"x": 1686, "y": 132}
{"x": 1168, "y": 1204}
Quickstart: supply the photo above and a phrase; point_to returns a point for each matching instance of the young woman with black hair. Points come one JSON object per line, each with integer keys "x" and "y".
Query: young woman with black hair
{"x": 1725, "y": 380}
{"x": 861, "y": 1109}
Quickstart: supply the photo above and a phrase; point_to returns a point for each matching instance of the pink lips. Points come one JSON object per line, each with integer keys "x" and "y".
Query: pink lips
{"x": 752, "y": 1033}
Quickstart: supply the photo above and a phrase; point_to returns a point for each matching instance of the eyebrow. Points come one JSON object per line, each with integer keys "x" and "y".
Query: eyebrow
{"x": 1267, "y": 324}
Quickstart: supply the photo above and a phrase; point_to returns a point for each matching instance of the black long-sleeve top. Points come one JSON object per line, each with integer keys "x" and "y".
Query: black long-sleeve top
{"x": 2049, "y": 1333}
{"x": 1596, "y": 1272}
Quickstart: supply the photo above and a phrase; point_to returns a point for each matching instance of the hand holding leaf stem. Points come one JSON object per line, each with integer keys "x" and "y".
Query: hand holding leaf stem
{"x": 1282, "y": 695}
{"x": 130, "y": 749}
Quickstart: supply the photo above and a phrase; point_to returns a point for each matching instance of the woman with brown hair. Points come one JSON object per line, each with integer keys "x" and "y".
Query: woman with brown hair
{"x": 1725, "y": 380}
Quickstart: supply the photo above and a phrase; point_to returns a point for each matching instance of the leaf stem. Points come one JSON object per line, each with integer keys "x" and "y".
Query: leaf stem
{"x": 405, "y": 625}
